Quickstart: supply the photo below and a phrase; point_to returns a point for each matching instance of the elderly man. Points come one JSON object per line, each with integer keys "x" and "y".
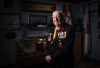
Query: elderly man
{"x": 59, "y": 46}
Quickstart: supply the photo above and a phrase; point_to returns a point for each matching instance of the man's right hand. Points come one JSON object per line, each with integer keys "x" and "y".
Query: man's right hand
{"x": 48, "y": 58}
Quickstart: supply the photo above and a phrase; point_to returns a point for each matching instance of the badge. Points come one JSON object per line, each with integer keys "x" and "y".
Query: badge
{"x": 60, "y": 44}
{"x": 49, "y": 37}
{"x": 62, "y": 34}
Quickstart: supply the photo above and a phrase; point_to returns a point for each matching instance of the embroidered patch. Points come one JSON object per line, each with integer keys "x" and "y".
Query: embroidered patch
{"x": 62, "y": 34}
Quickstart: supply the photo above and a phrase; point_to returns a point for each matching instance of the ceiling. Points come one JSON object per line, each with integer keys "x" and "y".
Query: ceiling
{"x": 75, "y": 1}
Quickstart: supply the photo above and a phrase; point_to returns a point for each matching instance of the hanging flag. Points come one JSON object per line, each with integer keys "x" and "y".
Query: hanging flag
{"x": 86, "y": 26}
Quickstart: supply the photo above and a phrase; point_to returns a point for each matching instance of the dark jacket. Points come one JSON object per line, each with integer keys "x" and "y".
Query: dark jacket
{"x": 65, "y": 51}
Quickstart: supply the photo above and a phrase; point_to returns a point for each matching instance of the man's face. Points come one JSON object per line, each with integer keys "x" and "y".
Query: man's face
{"x": 56, "y": 19}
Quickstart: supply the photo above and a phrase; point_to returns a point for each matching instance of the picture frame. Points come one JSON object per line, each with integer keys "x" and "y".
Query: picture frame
{"x": 37, "y": 6}
{"x": 37, "y": 20}
{"x": 98, "y": 36}
{"x": 9, "y": 21}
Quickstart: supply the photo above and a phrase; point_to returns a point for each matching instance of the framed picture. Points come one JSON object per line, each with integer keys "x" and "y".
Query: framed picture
{"x": 98, "y": 36}
{"x": 9, "y": 21}
{"x": 37, "y": 6}
{"x": 37, "y": 20}
{"x": 77, "y": 35}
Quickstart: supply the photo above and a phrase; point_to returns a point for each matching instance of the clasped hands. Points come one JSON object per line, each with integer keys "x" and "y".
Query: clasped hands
{"x": 48, "y": 58}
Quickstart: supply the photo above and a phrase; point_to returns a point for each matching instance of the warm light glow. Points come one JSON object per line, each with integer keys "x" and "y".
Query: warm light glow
{"x": 40, "y": 39}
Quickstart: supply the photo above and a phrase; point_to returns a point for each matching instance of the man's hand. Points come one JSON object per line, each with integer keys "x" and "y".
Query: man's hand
{"x": 48, "y": 58}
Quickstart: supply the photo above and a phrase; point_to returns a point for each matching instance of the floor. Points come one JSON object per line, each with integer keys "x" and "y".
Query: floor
{"x": 78, "y": 64}
{"x": 83, "y": 64}
{"x": 87, "y": 64}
